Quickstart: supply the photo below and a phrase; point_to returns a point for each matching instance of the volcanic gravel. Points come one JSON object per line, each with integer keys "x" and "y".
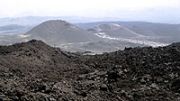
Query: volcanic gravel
{"x": 34, "y": 71}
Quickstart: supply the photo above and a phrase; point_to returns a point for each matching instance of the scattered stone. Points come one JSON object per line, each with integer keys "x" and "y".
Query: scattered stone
{"x": 104, "y": 87}
{"x": 155, "y": 86}
{"x": 34, "y": 71}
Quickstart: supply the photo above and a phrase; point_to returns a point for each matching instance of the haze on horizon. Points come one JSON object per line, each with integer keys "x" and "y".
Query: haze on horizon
{"x": 146, "y": 10}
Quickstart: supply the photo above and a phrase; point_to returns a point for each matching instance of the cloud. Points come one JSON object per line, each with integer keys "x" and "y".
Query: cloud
{"x": 81, "y": 7}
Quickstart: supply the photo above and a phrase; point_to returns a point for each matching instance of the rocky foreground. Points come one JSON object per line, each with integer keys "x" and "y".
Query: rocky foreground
{"x": 34, "y": 71}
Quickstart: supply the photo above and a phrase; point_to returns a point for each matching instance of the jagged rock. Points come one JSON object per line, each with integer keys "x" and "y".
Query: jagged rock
{"x": 4, "y": 98}
{"x": 104, "y": 87}
{"x": 176, "y": 85}
{"x": 155, "y": 86}
{"x": 63, "y": 87}
{"x": 34, "y": 71}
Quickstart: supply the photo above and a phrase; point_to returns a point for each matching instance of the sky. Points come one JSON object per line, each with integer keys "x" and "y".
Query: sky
{"x": 127, "y": 9}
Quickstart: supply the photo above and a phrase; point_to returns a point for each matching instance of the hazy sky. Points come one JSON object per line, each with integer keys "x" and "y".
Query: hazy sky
{"x": 91, "y": 8}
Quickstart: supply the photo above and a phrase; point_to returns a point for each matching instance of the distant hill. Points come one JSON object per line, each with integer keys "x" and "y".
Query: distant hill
{"x": 56, "y": 32}
{"x": 35, "y": 20}
{"x": 13, "y": 29}
{"x": 62, "y": 34}
{"x": 96, "y": 37}
{"x": 115, "y": 30}
{"x": 25, "y": 21}
{"x": 161, "y": 32}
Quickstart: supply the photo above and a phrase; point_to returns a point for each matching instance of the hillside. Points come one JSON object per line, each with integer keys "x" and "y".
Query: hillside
{"x": 37, "y": 72}
{"x": 72, "y": 38}
{"x": 116, "y": 30}
{"x": 166, "y": 32}
{"x": 162, "y": 32}
{"x": 60, "y": 32}
{"x": 13, "y": 29}
{"x": 123, "y": 34}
